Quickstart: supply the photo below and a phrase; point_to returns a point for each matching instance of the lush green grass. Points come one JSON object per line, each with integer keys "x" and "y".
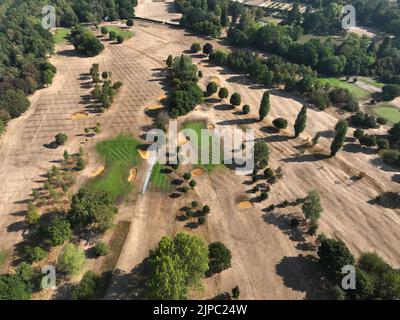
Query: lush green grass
{"x": 120, "y": 155}
{"x": 197, "y": 126}
{"x": 306, "y": 37}
{"x": 358, "y": 92}
{"x": 3, "y": 258}
{"x": 61, "y": 35}
{"x": 390, "y": 113}
{"x": 126, "y": 34}
{"x": 159, "y": 178}
{"x": 371, "y": 82}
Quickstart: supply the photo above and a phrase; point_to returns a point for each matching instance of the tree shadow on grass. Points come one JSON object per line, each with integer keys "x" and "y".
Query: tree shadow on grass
{"x": 304, "y": 274}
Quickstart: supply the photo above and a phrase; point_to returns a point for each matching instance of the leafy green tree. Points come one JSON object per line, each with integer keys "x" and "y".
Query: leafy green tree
{"x": 35, "y": 254}
{"x": 208, "y": 48}
{"x": 261, "y": 154}
{"x": 175, "y": 265}
{"x": 236, "y": 292}
{"x": 101, "y": 249}
{"x": 87, "y": 287}
{"x": 264, "y": 106}
{"x": 394, "y": 134}
{"x": 280, "y": 123}
{"x": 236, "y": 99}
{"x": 72, "y": 259}
{"x": 223, "y": 93}
{"x": 358, "y": 133}
{"x": 14, "y": 102}
{"x": 333, "y": 256}
{"x": 195, "y": 47}
{"x": 85, "y": 42}
{"x": 112, "y": 35}
{"x": 212, "y": 88}
{"x": 92, "y": 209}
{"x": 14, "y": 288}
{"x": 104, "y": 31}
{"x": 59, "y": 231}
{"x": 312, "y": 207}
{"x": 24, "y": 271}
{"x": 338, "y": 141}
{"x": 169, "y": 61}
{"x": 246, "y": 109}
{"x": 32, "y": 217}
{"x": 301, "y": 121}
{"x": 187, "y": 176}
{"x": 192, "y": 183}
{"x": 219, "y": 257}
{"x": 120, "y": 39}
{"x": 129, "y": 22}
{"x": 61, "y": 138}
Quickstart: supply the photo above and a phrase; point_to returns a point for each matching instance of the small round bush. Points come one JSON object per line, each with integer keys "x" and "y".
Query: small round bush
{"x": 381, "y": 120}
{"x": 280, "y": 123}
{"x": 201, "y": 220}
{"x": 246, "y": 109}
{"x": 195, "y": 47}
{"x": 101, "y": 249}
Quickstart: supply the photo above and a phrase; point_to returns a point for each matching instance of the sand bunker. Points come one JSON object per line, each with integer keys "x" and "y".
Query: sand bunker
{"x": 98, "y": 171}
{"x": 156, "y": 107}
{"x": 197, "y": 172}
{"x": 182, "y": 139}
{"x": 79, "y": 115}
{"x": 144, "y": 154}
{"x": 216, "y": 80}
{"x": 245, "y": 205}
{"x": 132, "y": 175}
{"x": 210, "y": 127}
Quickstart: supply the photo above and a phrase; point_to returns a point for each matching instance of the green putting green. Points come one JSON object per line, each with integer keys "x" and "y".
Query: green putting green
{"x": 388, "y": 112}
{"x": 61, "y": 35}
{"x": 215, "y": 161}
{"x": 120, "y": 155}
{"x": 334, "y": 82}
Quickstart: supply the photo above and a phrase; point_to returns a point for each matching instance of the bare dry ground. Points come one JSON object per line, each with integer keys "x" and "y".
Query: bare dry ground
{"x": 268, "y": 258}
{"x": 158, "y": 10}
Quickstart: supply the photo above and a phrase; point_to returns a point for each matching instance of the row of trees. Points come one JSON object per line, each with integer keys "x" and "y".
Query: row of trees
{"x": 375, "y": 278}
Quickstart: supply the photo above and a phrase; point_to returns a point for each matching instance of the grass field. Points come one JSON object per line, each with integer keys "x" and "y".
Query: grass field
{"x": 159, "y": 178}
{"x": 334, "y": 82}
{"x": 126, "y": 34}
{"x": 61, "y": 35}
{"x": 390, "y": 113}
{"x": 371, "y": 82}
{"x": 197, "y": 126}
{"x": 2, "y": 258}
{"x": 120, "y": 155}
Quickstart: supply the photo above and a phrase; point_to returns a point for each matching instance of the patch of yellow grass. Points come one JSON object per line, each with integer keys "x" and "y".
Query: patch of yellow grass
{"x": 197, "y": 172}
{"x": 97, "y": 171}
{"x": 132, "y": 175}
{"x": 79, "y": 115}
{"x": 144, "y": 154}
{"x": 245, "y": 205}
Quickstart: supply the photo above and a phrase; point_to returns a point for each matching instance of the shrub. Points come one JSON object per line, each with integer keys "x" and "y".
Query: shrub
{"x": 86, "y": 288}
{"x": 280, "y": 123}
{"x": 212, "y": 88}
{"x": 383, "y": 144}
{"x": 195, "y": 47}
{"x": 59, "y": 231}
{"x": 219, "y": 257}
{"x": 129, "y": 22}
{"x": 223, "y": 93}
{"x": 71, "y": 259}
{"x": 112, "y": 35}
{"x": 120, "y": 39}
{"x": 236, "y": 99}
{"x": 381, "y": 121}
{"x": 35, "y": 254}
{"x": 61, "y": 138}
{"x": 103, "y": 31}
{"x": 246, "y": 109}
{"x": 358, "y": 133}
{"x": 101, "y": 249}
{"x": 201, "y": 220}
{"x": 391, "y": 157}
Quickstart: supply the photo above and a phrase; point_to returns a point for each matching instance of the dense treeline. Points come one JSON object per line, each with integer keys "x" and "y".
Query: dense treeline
{"x": 25, "y": 45}
{"x": 375, "y": 279}
{"x": 380, "y": 14}
{"x": 185, "y": 93}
